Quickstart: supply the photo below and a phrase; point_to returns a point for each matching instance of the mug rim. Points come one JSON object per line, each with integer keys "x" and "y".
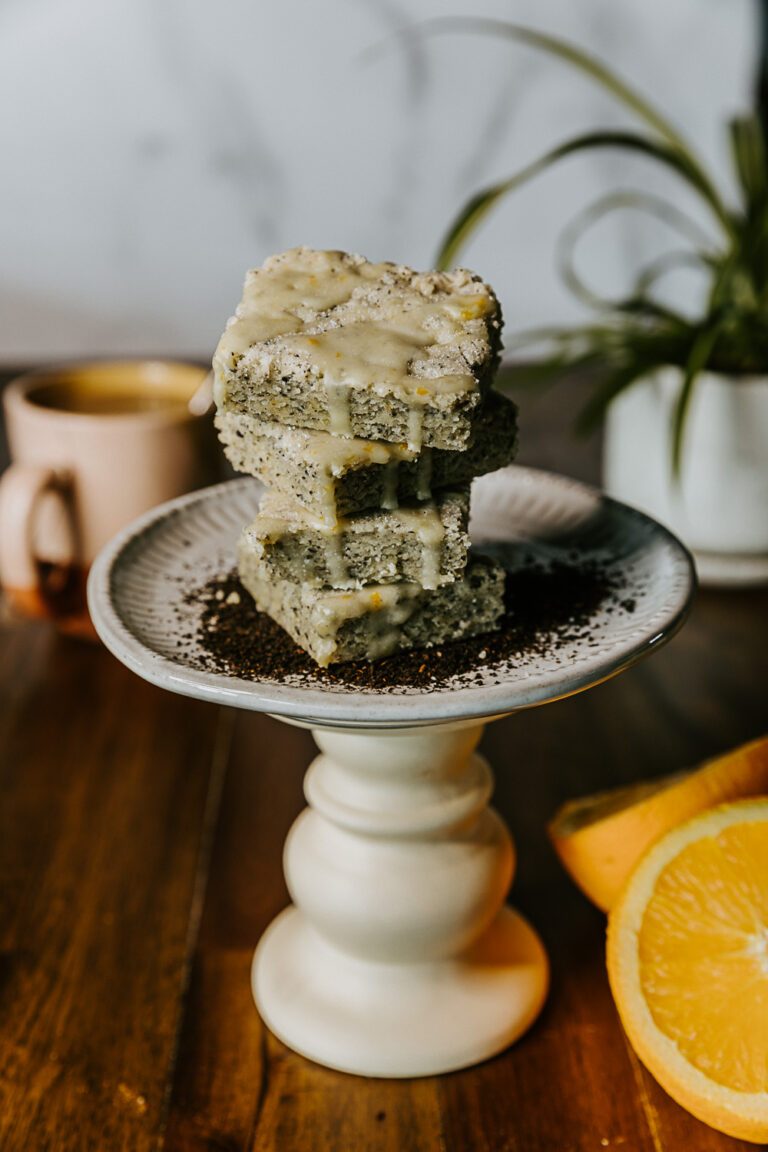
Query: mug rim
{"x": 16, "y": 392}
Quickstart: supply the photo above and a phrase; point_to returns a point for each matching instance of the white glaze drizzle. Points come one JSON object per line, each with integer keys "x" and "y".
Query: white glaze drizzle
{"x": 387, "y": 630}
{"x": 335, "y": 454}
{"x": 389, "y": 498}
{"x": 334, "y": 558}
{"x": 279, "y": 516}
{"x": 386, "y": 607}
{"x": 426, "y": 524}
{"x": 337, "y": 401}
{"x": 328, "y": 513}
{"x": 415, "y": 427}
{"x": 375, "y": 326}
{"x": 424, "y": 475}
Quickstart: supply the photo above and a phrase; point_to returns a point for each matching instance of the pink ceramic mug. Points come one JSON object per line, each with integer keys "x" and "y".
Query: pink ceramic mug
{"x": 92, "y": 446}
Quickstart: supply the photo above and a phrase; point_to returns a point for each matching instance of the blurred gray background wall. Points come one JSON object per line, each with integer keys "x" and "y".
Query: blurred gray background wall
{"x": 152, "y": 150}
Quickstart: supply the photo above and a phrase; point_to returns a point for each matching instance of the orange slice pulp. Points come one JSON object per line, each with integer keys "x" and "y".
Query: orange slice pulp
{"x": 688, "y": 966}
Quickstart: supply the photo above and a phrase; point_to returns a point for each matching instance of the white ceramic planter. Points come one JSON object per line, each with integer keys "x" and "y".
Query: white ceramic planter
{"x": 719, "y": 504}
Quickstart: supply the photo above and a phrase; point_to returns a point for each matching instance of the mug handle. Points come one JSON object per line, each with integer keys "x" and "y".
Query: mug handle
{"x": 21, "y": 488}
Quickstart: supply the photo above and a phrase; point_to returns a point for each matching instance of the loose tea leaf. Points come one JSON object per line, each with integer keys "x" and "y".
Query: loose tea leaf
{"x": 548, "y": 607}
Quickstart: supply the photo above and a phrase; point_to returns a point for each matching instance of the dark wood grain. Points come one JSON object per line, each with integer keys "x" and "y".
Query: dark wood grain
{"x": 223, "y": 1068}
{"x": 141, "y": 840}
{"x": 103, "y": 784}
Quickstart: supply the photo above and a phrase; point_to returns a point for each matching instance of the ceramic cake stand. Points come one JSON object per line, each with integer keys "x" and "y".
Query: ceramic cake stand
{"x": 399, "y": 956}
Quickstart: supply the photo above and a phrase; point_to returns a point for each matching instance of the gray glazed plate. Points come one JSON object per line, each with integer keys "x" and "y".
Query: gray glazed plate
{"x": 140, "y": 602}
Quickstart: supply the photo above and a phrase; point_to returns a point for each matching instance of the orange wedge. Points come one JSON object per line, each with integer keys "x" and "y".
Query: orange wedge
{"x": 600, "y": 838}
{"x": 688, "y": 966}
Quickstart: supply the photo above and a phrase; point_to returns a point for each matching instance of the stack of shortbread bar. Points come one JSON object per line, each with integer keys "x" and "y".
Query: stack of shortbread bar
{"x": 360, "y": 394}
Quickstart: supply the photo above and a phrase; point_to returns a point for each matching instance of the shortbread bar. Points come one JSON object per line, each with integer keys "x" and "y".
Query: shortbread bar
{"x": 329, "y": 341}
{"x": 333, "y": 477}
{"x": 375, "y": 621}
{"x": 424, "y": 543}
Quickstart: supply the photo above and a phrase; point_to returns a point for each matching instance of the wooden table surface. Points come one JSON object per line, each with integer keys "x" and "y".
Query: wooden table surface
{"x": 140, "y": 860}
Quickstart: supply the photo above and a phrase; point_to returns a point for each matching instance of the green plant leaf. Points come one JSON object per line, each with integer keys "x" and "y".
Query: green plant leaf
{"x": 637, "y": 335}
{"x": 597, "y": 71}
{"x": 656, "y": 269}
{"x": 638, "y": 351}
{"x": 701, "y": 350}
{"x": 479, "y": 205}
{"x": 590, "y": 65}
{"x": 594, "y": 213}
{"x": 748, "y": 148}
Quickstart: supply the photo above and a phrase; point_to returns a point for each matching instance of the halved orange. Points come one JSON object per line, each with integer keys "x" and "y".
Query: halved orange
{"x": 688, "y": 966}
{"x": 600, "y": 838}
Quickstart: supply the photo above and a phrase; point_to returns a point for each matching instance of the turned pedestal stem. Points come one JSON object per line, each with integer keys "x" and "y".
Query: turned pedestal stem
{"x": 398, "y": 958}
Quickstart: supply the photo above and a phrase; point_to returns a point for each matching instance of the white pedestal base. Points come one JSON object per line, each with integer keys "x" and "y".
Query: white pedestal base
{"x": 399, "y": 1019}
{"x": 399, "y": 959}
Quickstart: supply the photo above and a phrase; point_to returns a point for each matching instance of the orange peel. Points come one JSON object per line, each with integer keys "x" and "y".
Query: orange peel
{"x": 600, "y": 838}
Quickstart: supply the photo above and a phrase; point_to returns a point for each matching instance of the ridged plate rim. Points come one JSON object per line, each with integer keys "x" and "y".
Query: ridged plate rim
{"x": 546, "y": 492}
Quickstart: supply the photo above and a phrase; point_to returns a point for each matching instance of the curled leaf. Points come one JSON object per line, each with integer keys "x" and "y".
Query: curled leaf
{"x": 574, "y": 233}
{"x": 587, "y": 64}
{"x": 482, "y": 202}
